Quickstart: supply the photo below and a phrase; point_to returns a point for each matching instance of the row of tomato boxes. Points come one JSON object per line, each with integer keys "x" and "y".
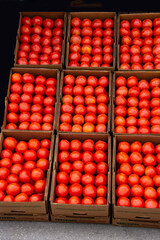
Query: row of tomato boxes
{"x": 55, "y": 199}
{"x": 99, "y": 40}
{"x": 83, "y": 101}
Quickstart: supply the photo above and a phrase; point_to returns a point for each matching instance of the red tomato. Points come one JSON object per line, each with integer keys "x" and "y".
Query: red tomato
{"x": 90, "y": 167}
{"x": 137, "y": 202}
{"x": 133, "y": 179}
{"x": 60, "y": 200}
{"x": 100, "y": 156}
{"x": 39, "y": 186}
{"x": 75, "y": 190}
{"x": 10, "y": 143}
{"x": 87, "y": 201}
{"x": 66, "y": 167}
{"x": 123, "y": 190}
{"x": 35, "y": 198}
{"x": 16, "y": 168}
{"x": 13, "y": 189}
{"x": 150, "y": 203}
{"x": 100, "y": 179}
{"x": 29, "y": 165}
{"x": 123, "y": 202}
{"x": 25, "y": 176}
{"x": 37, "y": 174}
{"x": 75, "y": 177}
{"x": 74, "y": 200}
{"x": 27, "y": 188}
{"x": 63, "y": 156}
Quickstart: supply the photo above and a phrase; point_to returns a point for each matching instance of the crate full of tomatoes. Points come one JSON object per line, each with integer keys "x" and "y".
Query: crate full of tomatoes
{"x": 25, "y": 171}
{"x": 85, "y": 101}
{"x": 31, "y": 99}
{"x": 81, "y": 178}
{"x": 136, "y": 178}
{"x": 41, "y": 39}
{"x": 91, "y": 40}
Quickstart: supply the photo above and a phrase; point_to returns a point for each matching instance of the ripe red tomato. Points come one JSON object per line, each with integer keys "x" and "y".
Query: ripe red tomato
{"x": 66, "y": 167}
{"x": 137, "y": 191}
{"x": 27, "y": 188}
{"x": 75, "y": 190}
{"x": 121, "y": 178}
{"x": 37, "y": 174}
{"x": 123, "y": 202}
{"x": 60, "y": 200}
{"x": 137, "y": 202}
{"x": 13, "y": 189}
{"x": 123, "y": 190}
{"x": 74, "y": 200}
{"x": 90, "y": 167}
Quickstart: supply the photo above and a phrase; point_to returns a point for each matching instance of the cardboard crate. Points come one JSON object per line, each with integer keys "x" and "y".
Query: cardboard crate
{"x": 85, "y": 73}
{"x": 18, "y": 217}
{"x": 91, "y": 16}
{"x": 134, "y": 223}
{"x": 35, "y": 72}
{"x": 80, "y": 212}
{"x": 29, "y": 208}
{"x": 52, "y": 15}
{"x": 131, "y": 213}
{"x": 67, "y": 219}
{"x": 129, "y": 17}
{"x": 147, "y": 75}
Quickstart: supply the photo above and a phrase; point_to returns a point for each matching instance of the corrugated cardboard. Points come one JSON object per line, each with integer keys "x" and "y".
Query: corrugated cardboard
{"x": 29, "y": 208}
{"x": 134, "y": 223}
{"x": 35, "y": 72}
{"x": 147, "y": 75}
{"x": 52, "y": 15}
{"x": 131, "y": 213}
{"x": 79, "y": 212}
{"x": 129, "y": 17}
{"x": 14, "y": 217}
{"x": 91, "y": 16}
{"x": 85, "y": 73}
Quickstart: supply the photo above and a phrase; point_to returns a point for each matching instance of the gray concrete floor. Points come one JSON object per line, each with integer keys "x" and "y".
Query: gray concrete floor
{"x": 72, "y": 231}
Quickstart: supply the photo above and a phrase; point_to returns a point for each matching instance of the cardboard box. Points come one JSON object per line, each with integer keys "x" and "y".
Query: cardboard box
{"x": 134, "y": 223}
{"x": 18, "y": 217}
{"x": 129, "y": 17}
{"x": 91, "y": 16}
{"x": 80, "y": 212}
{"x": 147, "y": 75}
{"x": 131, "y": 213}
{"x": 52, "y": 15}
{"x": 67, "y": 219}
{"x": 29, "y": 208}
{"x": 35, "y": 72}
{"x": 85, "y": 73}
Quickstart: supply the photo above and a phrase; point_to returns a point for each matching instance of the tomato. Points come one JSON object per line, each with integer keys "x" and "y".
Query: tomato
{"x": 63, "y": 156}
{"x": 29, "y": 165}
{"x": 150, "y": 203}
{"x": 87, "y": 157}
{"x": 156, "y": 180}
{"x": 3, "y": 185}
{"x": 100, "y": 201}
{"x": 75, "y": 177}
{"x": 122, "y": 157}
{"x": 124, "y": 147}
{"x": 30, "y": 155}
{"x": 89, "y": 191}
{"x": 137, "y": 190}
{"x": 60, "y": 200}
{"x": 88, "y": 127}
{"x": 2, "y": 195}
{"x": 66, "y": 167}
{"x": 27, "y": 188}
{"x": 74, "y": 200}
{"x": 25, "y": 176}
{"x": 90, "y": 167}
{"x": 75, "y": 190}
{"x": 150, "y": 171}
{"x": 137, "y": 202}
{"x": 136, "y": 157}
{"x": 39, "y": 186}
{"x": 4, "y": 172}
{"x": 10, "y": 143}
{"x": 13, "y": 189}
{"x": 102, "y": 167}
{"x": 150, "y": 193}
{"x": 8, "y": 198}
{"x": 43, "y": 153}
{"x": 78, "y": 119}
{"x": 125, "y": 168}
{"x": 138, "y": 169}
{"x": 35, "y": 126}
{"x": 149, "y": 160}
{"x": 5, "y": 163}
{"x": 37, "y": 174}
{"x": 78, "y": 166}
{"x": 123, "y": 190}
{"x": 100, "y": 156}
{"x": 65, "y": 127}
{"x": 146, "y": 181}
{"x": 121, "y": 178}
{"x": 87, "y": 201}
{"x": 43, "y": 164}
{"x": 133, "y": 179}
{"x": 123, "y": 202}
{"x": 16, "y": 168}
{"x": 35, "y": 198}
{"x": 11, "y": 126}
{"x": 100, "y": 179}
{"x": 33, "y": 144}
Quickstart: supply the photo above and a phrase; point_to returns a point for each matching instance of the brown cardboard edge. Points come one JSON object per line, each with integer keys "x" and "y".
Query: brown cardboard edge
{"x": 29, "y": 207}
{"x": 43, "y": 14}
{"x": 148, "y": 75}
{"x": 35, "y": 218}
{"x": 92, "y": 15}
{"x": 66, "y": 219}
{"x": 137, "y": 214}
{"x": 53, "y": 181}
{"x": 86, "y": 73}
{"x": 132, "y": 223}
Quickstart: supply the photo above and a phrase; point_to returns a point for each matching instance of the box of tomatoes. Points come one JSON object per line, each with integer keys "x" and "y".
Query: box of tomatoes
{"x": 25, "y": 171}
{"x": 85, "y": 101}
{"x": 31, "y": 102}
{"x": 136, "y": 102}
{"x": 81, "y": 178}
{"x": 41, "y": 40}
{"x": 91, "y": 41}
{"x": 138, "y": 41}
{"x": 136, "y": 179}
